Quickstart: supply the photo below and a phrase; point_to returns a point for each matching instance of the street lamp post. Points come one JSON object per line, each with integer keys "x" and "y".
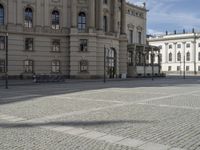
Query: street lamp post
{"x": 180, "y": 69}
{"x": 152, "y": 63}
{"x": 184, "y": 60}
{"x": 6, "y": 63}
{"x": 184, "y": 67}
{"x": 104, "y": 78}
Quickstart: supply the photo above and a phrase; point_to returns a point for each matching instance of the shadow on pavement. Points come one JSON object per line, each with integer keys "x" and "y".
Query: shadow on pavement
{"x": 25, "y": 93}
{"x": 73, "y": 123}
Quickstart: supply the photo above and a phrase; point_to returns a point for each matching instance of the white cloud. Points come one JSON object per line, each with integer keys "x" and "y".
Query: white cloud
{"x": 154, "y": 32}
{"x": 164, "y": 13}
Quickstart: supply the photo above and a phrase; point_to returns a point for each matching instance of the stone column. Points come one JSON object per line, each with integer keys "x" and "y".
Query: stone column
{"x": 184, "y": 60}
{"x": 175, "y": 51}
{"x": 64, "y": 17}
{"x": 92, "y": 14}
{"x": 123, "y": 16}
{"x": 19, "y": 12}
{"x": 166, "y": 52}
{"x": 194, "y": 55}
{"x": 74, "y": 14}
{"x": 46, "y": 13}
{"x": 100, "y": 14}
{"x": 38, "y": 13}
{"x": 10, "y": 12}
{"x": 115, "y": 17}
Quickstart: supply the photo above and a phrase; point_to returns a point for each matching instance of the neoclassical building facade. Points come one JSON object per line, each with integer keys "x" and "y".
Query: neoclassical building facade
{"x": 68, "y": 37}
{"x": 180, "y": 52}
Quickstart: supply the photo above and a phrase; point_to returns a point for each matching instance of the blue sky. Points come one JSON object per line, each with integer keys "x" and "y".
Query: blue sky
{"x": 172, "y": 15}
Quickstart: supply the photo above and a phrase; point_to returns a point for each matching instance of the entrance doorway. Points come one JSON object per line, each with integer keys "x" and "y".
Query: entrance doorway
{"x": 111, "y": 63}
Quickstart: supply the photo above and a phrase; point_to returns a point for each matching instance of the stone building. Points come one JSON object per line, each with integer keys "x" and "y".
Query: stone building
{"x": 180, "y": 52}
{"x": 68, "y": 37}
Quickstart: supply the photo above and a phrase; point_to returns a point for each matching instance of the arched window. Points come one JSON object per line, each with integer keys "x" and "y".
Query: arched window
{"x": 188, "y": 56}
{"x": 105, "y": 24}
{"x": 179, "y": 56}
{"x": 28, "y": 21}
{"x": 170, "y": 56}
{"x": 1, "y": 15}
{"x": 81, "y": 22}
{"x": 55, "y": 19}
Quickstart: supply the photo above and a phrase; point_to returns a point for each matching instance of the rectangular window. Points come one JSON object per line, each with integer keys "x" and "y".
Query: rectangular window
{"x": 187, "y": 68}
{"x": 199, "y": 56}
{"x": 105, "y": 24}
{"x": 131, "y": 36}
{"x": 2, "y": 42}
{"x": 130, "y": 58}
{"x": 198, "y": 68}
{"x": 160, "y": 57}
{"x": 2, "y": 66}
{"x": 188, "y": 45}
{"x": 55, "y": 66}
{"x": 179, "y": 46}
{"x": 56, "y": 46}
{"x": 178, "y": 68}
{"x": 83, "y": 66}
{"x": 83, "y": 45}
{"x": 28, "y": 66}
{"x": 29, "y": 44}
{"x": 169, "y": 68}
{"x": 140, "y": 37}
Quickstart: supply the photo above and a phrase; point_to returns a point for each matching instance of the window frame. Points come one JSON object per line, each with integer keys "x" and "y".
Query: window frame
{"x": 105, "y": 23}
{"x": 188, "y": 56}
{"x": 56, "y": 45}
{"x": 29, "y": 67}
{"x": 169, "y": 68}
{"x": 179, "y": 56}
{"x": 84, "y": 66}
{"x": 55, "y": 66}
{"x": 2, "y": 43}
{"x": 27, "y": 47}
{"x": 2, "y": 16}
{"x": 28, "y": 17}
{"x": 2, "y": 66}
{"x": 82, "y": 22}
{"x": 83, "y": 45}
{"x": 55, "y": 20}
{"x": 170, "y": 57}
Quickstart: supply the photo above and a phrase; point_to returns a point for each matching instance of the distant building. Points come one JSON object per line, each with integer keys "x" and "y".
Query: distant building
{"x": 180, "y": 52}
{"x": 67, "y": 37}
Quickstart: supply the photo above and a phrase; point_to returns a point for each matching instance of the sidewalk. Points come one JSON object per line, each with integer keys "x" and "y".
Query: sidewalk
{"x": 30, "y": 82}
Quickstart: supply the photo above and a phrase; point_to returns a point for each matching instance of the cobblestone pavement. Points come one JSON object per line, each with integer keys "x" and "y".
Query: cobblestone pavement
{"x": 163, "y": 114}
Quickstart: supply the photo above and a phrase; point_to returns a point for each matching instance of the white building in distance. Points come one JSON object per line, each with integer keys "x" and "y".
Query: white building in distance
{"x": 180, "y": 52}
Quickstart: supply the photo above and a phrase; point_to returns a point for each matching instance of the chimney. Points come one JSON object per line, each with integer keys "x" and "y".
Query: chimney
{"x": 183, "y": 31}
{"x": 166, "y": 32}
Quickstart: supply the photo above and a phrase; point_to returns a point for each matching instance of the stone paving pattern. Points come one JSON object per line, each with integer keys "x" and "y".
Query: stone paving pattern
{"x": 163, "y": 114}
